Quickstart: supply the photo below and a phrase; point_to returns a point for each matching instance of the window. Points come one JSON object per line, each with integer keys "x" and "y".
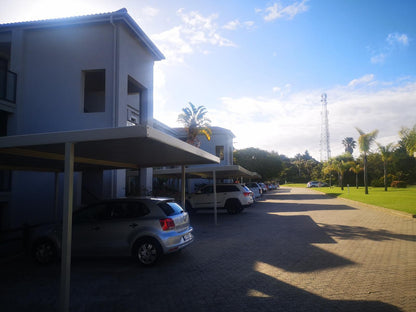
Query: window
{"x": 94, "y": 91}
{"x": 219, "y": 152}
{"x": 135, "y": 94}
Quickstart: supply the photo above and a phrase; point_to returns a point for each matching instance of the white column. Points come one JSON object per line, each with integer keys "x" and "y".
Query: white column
{"x": 183, "y": 189}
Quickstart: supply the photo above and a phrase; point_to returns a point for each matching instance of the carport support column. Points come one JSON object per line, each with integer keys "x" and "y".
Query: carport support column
{"x": 214, "y": 185}
{"x": 67, "y": 228}
{"x": 183, "y": 180}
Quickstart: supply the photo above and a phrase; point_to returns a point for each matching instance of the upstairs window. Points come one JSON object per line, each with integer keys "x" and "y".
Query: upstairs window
{"x": 94, "y": 91}
{"x": 219, "y": 152}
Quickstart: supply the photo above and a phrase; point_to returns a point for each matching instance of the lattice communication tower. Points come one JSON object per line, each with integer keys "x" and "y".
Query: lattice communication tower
{"x": 325, "y": 149}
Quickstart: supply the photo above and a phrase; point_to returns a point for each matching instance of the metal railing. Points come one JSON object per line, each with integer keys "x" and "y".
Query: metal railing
{"x": 8, "y": 80}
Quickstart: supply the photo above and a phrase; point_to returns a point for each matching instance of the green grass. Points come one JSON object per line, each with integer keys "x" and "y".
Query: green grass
{"x": 402, "y": 199}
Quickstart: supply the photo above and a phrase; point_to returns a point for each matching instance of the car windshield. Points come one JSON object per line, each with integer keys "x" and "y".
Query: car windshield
{"x": 170, "y": 208}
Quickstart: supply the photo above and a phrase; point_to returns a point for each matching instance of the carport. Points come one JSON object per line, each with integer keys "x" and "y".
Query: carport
{"x": 115, "y": 148}
{"x": 209, "y": 172}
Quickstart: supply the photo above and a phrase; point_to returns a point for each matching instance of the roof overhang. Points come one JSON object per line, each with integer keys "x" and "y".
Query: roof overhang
{"x": 221, "y": 172}
{"x": 110, "y": 148}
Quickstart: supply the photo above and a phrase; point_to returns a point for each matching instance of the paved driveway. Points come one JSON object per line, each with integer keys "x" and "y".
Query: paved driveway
{"x": 296, "y": 250}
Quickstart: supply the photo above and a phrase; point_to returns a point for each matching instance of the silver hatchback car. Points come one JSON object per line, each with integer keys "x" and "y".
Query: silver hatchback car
{"x": 143, "y": 227}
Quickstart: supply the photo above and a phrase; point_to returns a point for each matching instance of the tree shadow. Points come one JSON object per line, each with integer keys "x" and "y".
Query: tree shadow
{"x": 359, "y": 232}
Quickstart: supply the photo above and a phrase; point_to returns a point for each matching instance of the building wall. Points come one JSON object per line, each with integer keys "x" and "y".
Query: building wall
{"x": 49, "y": 63}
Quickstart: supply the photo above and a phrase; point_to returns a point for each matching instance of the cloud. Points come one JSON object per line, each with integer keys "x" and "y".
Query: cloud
{"x": 279, "y": 11}
{"x": 393, "y": 42}
{"x": 397, "y": 39}
{"x": 366, "y": 79}
{"x": 291, "y": 124}
{"x": 236, "y": 24}
{"x": 194, "y": 33}
{"x": 150, "y": 11}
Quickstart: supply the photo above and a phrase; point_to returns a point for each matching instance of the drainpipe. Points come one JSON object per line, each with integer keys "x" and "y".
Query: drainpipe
{"x": 115, "y": 96}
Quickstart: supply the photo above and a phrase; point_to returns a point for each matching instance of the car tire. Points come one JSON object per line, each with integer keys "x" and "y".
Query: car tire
{"x": 233, "y": 206}
{"x": 147, "y": 251}
{"x": 44, "y": 251}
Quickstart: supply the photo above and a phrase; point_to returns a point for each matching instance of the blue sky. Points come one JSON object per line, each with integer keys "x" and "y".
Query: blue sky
{"x": 260, "y": 67}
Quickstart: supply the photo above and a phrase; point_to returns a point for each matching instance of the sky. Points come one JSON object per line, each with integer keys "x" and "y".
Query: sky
{"x": 260, "y": 67}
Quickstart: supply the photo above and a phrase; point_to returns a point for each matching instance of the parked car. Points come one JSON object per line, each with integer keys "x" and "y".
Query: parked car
{"x": 255, "y": 188}
{"x": 145, "y": 228}
{"x": 232, "y": 197}
{"x": 316, "y": 184}
{"x": 263, "y": 187}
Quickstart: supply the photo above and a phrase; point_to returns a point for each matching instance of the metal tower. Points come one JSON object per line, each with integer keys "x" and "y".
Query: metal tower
{"x": 325, "y": 149}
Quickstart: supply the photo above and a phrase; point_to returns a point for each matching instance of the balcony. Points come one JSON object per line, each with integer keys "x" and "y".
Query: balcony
{"x": 8, "y": 80}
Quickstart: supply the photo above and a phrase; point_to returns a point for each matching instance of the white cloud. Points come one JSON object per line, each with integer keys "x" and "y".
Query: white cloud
{"x": 279, "y": 11}
{"x": 392, "y": 42}
{"x": 396, "y": 38}
{"x": 194, "y": 33}
{"x": 150, "y": 11}
{"x": 378, "y": 59}
{"x": 291, "y": 124}
{"x": 366, "y": 79}
{"x": 236, "y": 24}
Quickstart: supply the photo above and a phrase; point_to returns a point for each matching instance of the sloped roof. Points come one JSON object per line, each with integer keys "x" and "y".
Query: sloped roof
{"x": 117, "y": 16}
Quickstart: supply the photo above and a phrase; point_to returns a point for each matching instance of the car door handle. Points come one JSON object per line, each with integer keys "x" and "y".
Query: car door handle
{"x": 133, "y": 225}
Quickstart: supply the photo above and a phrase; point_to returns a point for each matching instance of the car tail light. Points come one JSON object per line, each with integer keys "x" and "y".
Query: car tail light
{"x": 247, "y": 193}
{"x": 167, "y": 224}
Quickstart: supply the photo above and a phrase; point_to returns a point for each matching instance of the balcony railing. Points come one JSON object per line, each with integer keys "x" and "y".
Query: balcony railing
{"x": 8, "y": 81}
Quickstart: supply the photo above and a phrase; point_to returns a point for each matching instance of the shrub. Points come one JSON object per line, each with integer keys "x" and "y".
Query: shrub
{"x": 377, "y": 182}
{"x": 399, "y": 184}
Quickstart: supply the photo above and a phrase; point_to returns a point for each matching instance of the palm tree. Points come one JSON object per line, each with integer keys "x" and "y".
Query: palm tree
{"x": 356, "y": 168}
{"x": 365, "y": 140}
{"x": 328, "y": 167}
{"x": 349, "y": 144}
{"x": 195, "y": 122}
{"x": 408, "y": 137}
{"x": 386, "y": 155}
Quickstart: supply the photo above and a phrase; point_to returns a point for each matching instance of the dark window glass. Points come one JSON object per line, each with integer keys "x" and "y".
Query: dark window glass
{"x": 94, "y": 91}
{"x": 170, "y": 208}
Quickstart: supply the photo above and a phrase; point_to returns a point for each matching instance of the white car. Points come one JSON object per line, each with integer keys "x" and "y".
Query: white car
{"x": 255, "y": 188}
{"x": 232, "y": 197}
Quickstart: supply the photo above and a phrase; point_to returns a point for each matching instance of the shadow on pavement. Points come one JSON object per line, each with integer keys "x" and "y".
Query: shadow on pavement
{"x": 359, "y": 232}
{"x": 219, "y": 272}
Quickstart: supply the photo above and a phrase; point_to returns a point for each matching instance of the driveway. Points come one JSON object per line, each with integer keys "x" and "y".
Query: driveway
{"x": 296, "y": 250}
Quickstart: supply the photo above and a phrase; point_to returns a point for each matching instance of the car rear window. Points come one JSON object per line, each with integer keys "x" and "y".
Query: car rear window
{"x": 170, "y": 208}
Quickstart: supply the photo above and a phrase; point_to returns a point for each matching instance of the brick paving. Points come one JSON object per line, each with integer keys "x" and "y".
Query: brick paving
{"x": 296, "y": 250}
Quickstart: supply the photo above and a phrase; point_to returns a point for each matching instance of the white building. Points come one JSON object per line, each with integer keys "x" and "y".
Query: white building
{"x": 76, "y": 73}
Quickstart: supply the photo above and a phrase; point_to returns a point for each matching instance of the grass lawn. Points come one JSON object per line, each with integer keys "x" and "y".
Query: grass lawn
{"x": 402, "y": 199}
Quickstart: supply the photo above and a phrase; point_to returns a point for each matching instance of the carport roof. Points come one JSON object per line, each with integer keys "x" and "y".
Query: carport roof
{"x": 109, "y": 148}
{"x": 221, "y": 171}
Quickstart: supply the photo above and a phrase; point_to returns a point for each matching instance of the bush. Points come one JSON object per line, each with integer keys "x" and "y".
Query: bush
{"x": 377, "y": 182}
{"x": 399, "y": 184}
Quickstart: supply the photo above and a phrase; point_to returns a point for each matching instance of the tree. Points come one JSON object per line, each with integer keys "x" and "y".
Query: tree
{"x": 356, "y": 168}
{"x": 386, "y": 155}
{"x": 408, "y": 138}
{"x": 365, "y": 140}
{"x": 195, "y": 123}
{"x": 349, "y": 144}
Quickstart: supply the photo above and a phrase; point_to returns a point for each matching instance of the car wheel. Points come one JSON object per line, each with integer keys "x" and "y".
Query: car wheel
{"x": 147, "y": 251}
{"x": 233, "y": 206}
{"x": 44, "y": 251}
